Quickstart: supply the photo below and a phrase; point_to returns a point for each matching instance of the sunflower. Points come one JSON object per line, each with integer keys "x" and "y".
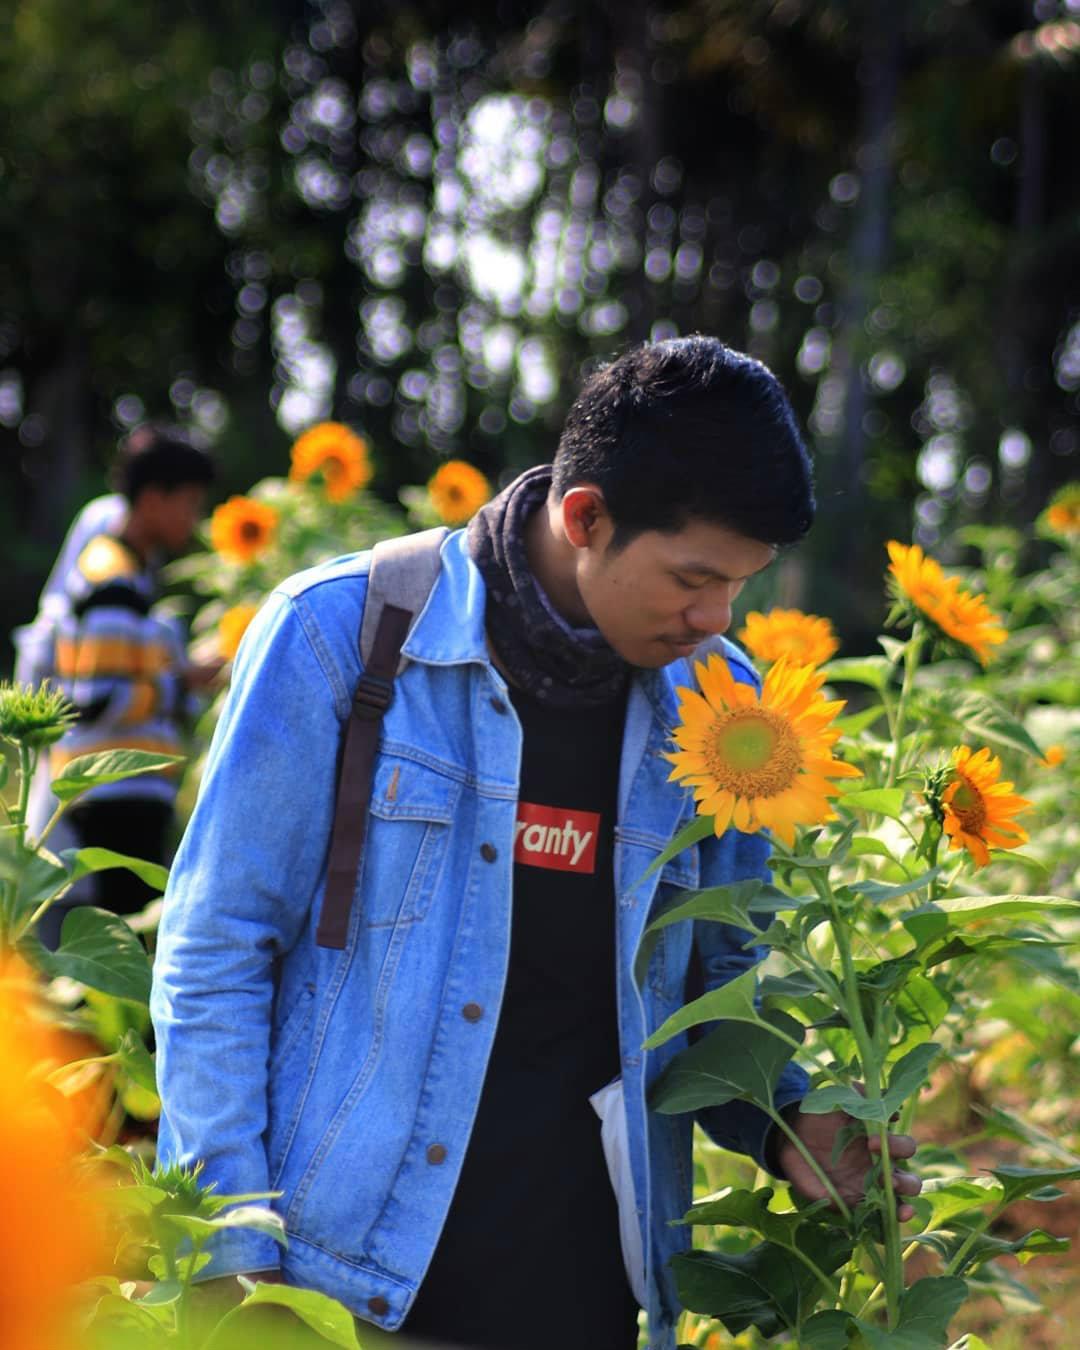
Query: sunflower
{"x": 232, "y": 626}
{"x": 978, "y": 808}
{"x": 457, "y": 491}
{"x": 759, "y": 761}
{"x": 1055, "y": 755}
{"x": 956, "y": 613}
{"x": 1063, "y": 514}
{"x": 241, "y": 529}
{"x": 53, "y": 1232}
{"x": 338, "y": 453}
{"x": 805, "y": 639}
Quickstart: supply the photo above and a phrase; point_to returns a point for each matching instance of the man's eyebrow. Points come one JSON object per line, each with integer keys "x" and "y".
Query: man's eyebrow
{"x": 707, "y": 570}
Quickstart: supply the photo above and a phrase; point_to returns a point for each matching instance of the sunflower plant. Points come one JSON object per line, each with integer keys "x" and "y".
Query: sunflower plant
{"x": 893, "y": 893}
{"x": 97, "y": 948}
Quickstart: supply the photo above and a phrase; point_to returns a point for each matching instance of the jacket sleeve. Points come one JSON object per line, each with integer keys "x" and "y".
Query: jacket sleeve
{"x": 241, "y": 888}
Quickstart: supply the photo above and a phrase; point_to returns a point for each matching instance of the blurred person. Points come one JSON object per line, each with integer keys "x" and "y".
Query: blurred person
{"x": 421, "y": 1098}
{"x": 121, "y": 662}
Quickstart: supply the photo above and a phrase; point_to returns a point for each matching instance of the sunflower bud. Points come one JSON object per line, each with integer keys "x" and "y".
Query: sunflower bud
{"x": 34, "y": 717}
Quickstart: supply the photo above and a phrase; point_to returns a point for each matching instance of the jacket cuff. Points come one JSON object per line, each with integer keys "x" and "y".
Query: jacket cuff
{"x": 237, "y": 1253}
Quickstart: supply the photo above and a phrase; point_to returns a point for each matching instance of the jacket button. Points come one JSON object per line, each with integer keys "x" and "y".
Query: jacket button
{"x": 436, "y": 1154}
{"x": 472, "y": 1012}
{"x": 488, "y": 852}
{"x": 498, "y": 705}
{"x": 378, "y": 1305}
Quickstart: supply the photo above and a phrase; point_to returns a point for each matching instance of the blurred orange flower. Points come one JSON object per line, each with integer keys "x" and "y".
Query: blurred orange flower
{"x": 965, "y": 618}
{"x": 242, "y": 528}
{"x": 805, "y": 639}
{"x": 338, "y": 453}
{"x": 1063, "y": 513}
{"x": 232, "y": 626}
{"x": 1055, "y": 755}
{"x": 457, "y": 491}
{"x": 979, "y": 807}
{"x": 51, "y": 1229}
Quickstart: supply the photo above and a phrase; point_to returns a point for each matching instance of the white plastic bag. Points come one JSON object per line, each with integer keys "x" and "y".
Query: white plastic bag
{"x": 609, "y": 1106}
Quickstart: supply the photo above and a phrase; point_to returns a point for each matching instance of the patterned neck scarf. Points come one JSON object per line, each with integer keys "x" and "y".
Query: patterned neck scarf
{"x": 561, "y": 666}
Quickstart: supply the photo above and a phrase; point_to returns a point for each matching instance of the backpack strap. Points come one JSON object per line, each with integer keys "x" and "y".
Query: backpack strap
{"x": 403, "y": 572}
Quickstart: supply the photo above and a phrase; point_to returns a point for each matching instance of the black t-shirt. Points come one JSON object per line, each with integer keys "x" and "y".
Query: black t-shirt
{"x": 530, "y": 1257}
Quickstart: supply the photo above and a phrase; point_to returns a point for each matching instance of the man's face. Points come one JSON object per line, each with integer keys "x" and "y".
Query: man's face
{"x": 173, "y": 513}
{"x": 662, "y": 594}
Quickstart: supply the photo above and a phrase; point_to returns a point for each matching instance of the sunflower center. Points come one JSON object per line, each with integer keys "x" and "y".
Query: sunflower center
{"x": 251, "y": 530}
{"x": 969, "y": 806}
{"x": 754, "y": 753}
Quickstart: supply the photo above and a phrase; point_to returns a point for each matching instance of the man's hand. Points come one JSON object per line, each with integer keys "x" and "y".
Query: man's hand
{"x": 849, "y": 1173}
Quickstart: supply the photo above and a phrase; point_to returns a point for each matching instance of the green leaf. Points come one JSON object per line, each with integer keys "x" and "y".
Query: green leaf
{"x": 926, "y": 1309}
{"x": 855, "y": 724}
{"x": 733, "y": 1002}
{"x": 1003, "y": 1124}
{"x": 873, "y": 671}
{"x": 879, "y": 893}
{"x": 931, "y": 921}
{"x": 767, "y": 1287}
{"x": 722, "y": 1067}
{"x": 750, "y": 1209}
{"x": 324, "y": 1315}
{"x": 734, "y": 904}
{"x": 255, "y": 1218}
{"x": 137, "y": 1062}
{"x": 827, "y": 1330}
{"x": 99, "y": 949}
{"x": 83, "y": 861}
{"x": 699, "y": 828}
{"x": 108, "y": 766}
{"x": 983, "y": 719}
{"x": 1021, "y": 1181}
{"x": 908, "y": 1076}
{"x": 881, "y": 801}
{"x": 943, "y": 1199}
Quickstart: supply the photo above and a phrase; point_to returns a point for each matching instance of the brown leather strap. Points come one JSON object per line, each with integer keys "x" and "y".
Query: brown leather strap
{"x": 374, "y": 690}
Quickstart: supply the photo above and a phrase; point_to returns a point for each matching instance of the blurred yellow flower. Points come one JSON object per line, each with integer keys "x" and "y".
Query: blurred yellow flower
{"x": 979, "y": 807}
{"x": 242, "y": 528}
{"x": 759, "y": 762}
{"x": 954, "y": 611}
{"x": 51, "y": 1229}
{"x": 1055, "y": 755}
{"x": 338, "y": 453}
{"x": 805, "y": 639}
{"x": 1063, "y": 513}
{"x": 457, "y": 491}
{"x": 232, "y": 626}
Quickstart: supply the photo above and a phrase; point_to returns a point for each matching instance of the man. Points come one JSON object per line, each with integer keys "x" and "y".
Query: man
{"x": 421, "y": 1098}
{"x": 122, "y": 665}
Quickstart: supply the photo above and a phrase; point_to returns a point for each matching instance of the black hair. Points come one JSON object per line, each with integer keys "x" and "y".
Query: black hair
{"x": 688, "y": 429}
{"x": 157, "y": 455}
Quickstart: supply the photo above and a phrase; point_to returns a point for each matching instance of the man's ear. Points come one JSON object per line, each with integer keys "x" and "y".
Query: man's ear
{"x": 584, "y": 514}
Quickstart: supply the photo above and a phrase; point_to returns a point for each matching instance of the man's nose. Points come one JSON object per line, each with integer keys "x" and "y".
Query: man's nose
{"x": 711, "y": 613}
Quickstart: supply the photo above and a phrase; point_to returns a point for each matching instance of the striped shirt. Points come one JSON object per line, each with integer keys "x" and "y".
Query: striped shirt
{"x": 119, "y": 664}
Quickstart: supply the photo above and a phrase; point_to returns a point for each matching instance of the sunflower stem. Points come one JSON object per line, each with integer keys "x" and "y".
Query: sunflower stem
{"x": 912, "y": 651}
{"x": 870, "y": 1063}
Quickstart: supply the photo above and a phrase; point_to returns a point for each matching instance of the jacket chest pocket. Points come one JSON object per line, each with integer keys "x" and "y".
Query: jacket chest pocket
{"x": 408, "y": 834}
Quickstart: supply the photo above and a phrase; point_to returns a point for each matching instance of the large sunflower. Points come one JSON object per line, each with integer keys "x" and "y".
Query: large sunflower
{"x": 457, "y": 491}
{"x": 242, "y": 528}
{"x": 759, "y": 762}
{"x": 961, "y": 616}
{"x": 338, "y": 453}
{"x": 978, "y": 807}
{"x": 805, "y": 639}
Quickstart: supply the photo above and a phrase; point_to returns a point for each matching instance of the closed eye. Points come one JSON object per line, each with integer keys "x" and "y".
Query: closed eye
{"x": 689, "y": 585}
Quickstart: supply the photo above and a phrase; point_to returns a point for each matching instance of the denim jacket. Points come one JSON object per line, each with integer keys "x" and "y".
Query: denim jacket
{"x": 349, "y": 1080}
